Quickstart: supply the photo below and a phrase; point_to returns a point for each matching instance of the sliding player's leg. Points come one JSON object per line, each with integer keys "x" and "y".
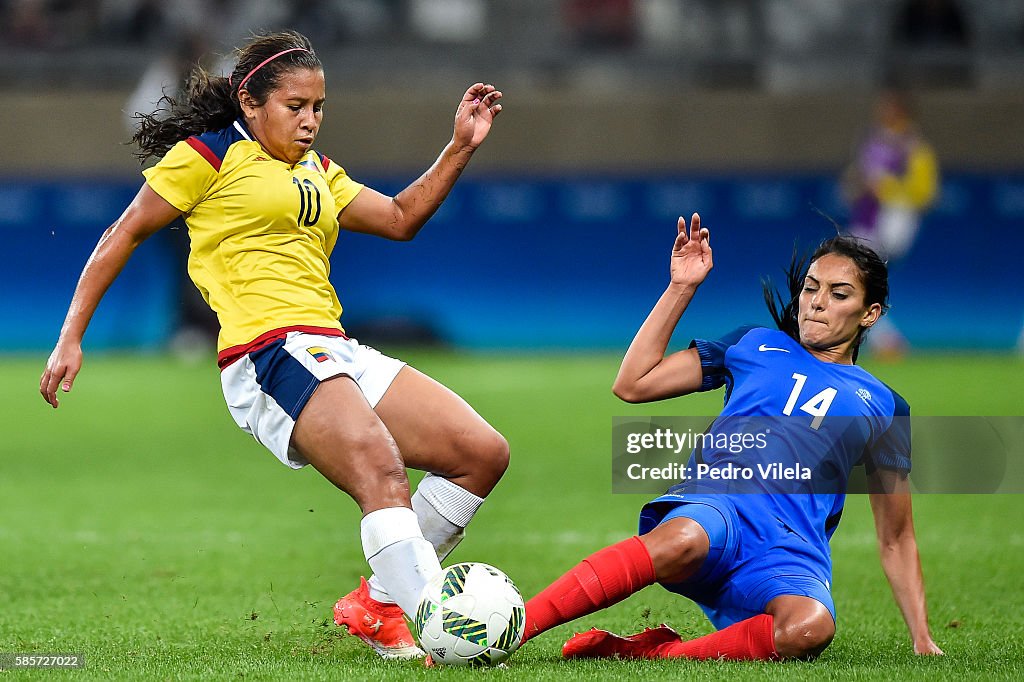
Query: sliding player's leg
{"x": 670, "y": 553}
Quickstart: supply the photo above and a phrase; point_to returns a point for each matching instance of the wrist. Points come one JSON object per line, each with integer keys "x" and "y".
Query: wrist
{"x": 70, "y": 338}
{"x": 460, "y": 149}
{"x": 682, "y": 289}
{"x": 456, "y": 156}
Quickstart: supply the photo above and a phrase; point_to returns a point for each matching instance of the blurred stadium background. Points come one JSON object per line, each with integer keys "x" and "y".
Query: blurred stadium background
{"x": 140, "y": 527}
{"x": 620, "y": 115}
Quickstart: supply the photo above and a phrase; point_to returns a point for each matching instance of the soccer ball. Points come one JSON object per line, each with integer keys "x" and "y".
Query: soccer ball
{"x": 470, "y": 614}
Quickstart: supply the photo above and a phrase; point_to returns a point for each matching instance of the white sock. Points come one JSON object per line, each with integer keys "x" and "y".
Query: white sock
{"x": 443, "y": 510}
{"x": 396, "y": 551}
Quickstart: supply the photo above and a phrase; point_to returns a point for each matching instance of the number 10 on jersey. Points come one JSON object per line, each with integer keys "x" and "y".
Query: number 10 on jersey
{"x": 307, "y": 191}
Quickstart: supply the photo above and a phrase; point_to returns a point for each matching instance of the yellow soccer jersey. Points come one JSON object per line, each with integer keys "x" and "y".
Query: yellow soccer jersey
{"x": 262, "y": 232}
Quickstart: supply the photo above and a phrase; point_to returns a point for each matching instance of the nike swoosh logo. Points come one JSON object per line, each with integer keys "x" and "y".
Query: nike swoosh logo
{"x": 763, "y": 348}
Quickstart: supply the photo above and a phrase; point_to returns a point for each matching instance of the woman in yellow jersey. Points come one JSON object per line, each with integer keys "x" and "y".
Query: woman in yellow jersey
{"x": 263, "y": 211}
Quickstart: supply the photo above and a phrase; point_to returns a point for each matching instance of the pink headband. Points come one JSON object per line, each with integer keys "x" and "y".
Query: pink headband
{"x": 264, "y": 63}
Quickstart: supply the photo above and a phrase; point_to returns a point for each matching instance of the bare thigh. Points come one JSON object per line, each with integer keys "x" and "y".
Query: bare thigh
{"x": 437, "y": 431}
{"x": 343, "y": 438}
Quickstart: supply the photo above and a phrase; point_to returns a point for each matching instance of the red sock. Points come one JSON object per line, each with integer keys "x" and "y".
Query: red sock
{"x": 752, "y": 639}
{"x": 600, "y": 580}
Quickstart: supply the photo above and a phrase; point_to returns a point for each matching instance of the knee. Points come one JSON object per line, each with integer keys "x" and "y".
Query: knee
{"x": 678, "y": 548}
{"x": 486, "y": 454}
{"x": 496, "y": 455}
{"x": 804, "y": 638}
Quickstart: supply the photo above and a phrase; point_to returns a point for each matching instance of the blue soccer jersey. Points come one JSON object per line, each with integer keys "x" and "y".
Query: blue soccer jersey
{"x": 810, "y": 422}
{"x": 823, "y": 419}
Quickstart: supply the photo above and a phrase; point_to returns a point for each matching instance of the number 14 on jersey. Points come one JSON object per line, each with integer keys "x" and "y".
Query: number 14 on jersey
{"x": 817, "y": 406}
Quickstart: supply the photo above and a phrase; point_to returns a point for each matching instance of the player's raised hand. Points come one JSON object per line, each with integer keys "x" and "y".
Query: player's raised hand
{"x": 61, "y": 370}
{"x": 477, "y": 111}
{"x": 691, "y": 254}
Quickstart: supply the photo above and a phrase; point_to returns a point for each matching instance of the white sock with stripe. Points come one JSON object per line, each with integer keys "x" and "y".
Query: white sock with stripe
{"x": 443, "y": 510}
{"x": 396, "y": 551}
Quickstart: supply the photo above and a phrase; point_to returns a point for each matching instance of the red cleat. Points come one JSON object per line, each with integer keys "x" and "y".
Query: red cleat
{"x": 380, "y": 625}
{"x": 603, "y": 644}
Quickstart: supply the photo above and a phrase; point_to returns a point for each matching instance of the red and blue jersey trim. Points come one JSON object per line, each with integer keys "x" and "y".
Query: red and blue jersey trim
{"x": 205, "y": 152}
{"x": 213, "y": 145}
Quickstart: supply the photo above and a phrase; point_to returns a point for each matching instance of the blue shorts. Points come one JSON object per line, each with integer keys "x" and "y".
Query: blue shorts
{"x": 746, "y": 566}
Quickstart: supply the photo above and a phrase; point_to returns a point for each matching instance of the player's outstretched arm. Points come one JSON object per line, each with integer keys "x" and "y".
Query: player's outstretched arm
{"x": 147, "y": 213}
{"x": 401, "y": 217}
{"x": 894, "y": 524}
{"x": 645, "y": 373}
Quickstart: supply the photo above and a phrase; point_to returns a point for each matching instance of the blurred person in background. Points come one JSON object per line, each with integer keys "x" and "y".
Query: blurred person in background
{"x": 264, "y": 209}
{"x": 892, "y": 181}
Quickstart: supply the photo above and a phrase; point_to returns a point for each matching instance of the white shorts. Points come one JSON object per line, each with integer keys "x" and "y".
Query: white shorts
{"x": 266, "y": 389}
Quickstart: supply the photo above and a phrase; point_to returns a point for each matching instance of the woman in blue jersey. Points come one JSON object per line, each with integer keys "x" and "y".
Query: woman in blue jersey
{"x": 759, "y": 564}
{"x": 263, "y": 211}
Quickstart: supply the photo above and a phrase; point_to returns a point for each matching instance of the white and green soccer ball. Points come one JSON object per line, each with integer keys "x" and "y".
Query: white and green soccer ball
{"x": 470, "y": 614}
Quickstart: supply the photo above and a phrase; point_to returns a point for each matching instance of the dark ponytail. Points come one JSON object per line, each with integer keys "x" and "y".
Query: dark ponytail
{"x": 784, "y": 310}
{"x": 211, "y": 102}
{"x": 874, "y": 274}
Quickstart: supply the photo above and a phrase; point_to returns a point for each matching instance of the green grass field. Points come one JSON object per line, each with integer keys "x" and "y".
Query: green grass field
{"x": 139, "y": 527}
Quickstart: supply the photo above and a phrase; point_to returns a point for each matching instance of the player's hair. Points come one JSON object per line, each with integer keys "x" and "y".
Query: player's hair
{"x": 210, "y": 102}
{"x": 874, "y": 274}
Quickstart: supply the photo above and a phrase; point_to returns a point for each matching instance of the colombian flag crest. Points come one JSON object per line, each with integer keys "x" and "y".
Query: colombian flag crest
{"x": 320, "y": 354}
